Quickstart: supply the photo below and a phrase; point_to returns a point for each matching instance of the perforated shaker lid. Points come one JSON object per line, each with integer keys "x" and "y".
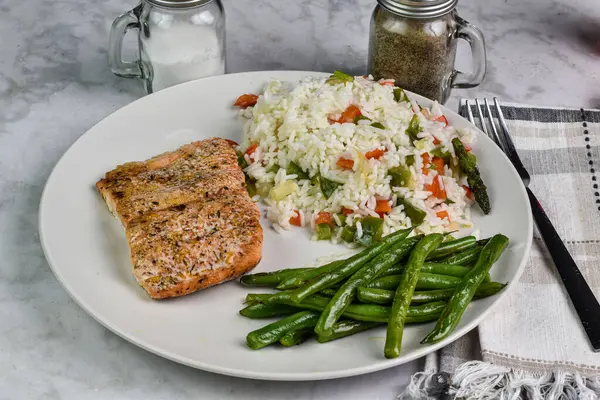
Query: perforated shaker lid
{"x": 419, "y": 8}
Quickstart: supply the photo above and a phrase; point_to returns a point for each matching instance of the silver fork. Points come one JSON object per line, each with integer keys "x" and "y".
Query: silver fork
{"x": 581, "y": 295}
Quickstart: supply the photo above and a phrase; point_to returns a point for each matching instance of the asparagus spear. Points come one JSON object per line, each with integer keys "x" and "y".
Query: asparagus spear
{"x": 468, "y": 165}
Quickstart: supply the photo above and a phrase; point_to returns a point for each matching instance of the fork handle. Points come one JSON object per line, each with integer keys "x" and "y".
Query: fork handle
{"x": 581, "y": 295}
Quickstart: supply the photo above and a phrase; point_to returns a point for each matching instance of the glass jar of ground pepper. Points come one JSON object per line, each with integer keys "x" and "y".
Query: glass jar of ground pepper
{"x": 414, "y": 43}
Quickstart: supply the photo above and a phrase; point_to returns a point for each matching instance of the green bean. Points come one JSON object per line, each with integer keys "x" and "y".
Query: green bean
{"x": 346, "y": 294}
{"x": 432, "y": 268}
{"x": 257, "y": 298}
{"x": 382, "y": 296}
{"x": 466, "y": 290}
{"x": 328, "y": 292}
{"x": 444, "y": 269}
{"x": 270, "y": 279}
{"x": 295, "y": 338}
{"x": 300, "y": 279}
{"x": 425, "y": 281}
{"x": 348, "y": 268}
{"x": 395, "y": 329}
{"x": 274, "y": 332}
{"x": 464, "y": 257}
{"x": 346, "y": 328}
{"x": 256, "y": 311}
{"x": 370, "y": 312}
{"x": 453, "y": 246}
{"x": 483, "y": 242}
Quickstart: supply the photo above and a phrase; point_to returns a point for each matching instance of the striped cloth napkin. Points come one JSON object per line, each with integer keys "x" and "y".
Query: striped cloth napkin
{"x": 533, "y": 345}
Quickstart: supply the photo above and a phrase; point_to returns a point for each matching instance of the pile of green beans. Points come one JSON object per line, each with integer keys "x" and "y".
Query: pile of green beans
{"x": 397, "y": 281}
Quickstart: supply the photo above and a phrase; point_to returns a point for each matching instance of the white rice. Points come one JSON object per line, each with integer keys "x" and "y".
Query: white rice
{"x": 290, "y": 124}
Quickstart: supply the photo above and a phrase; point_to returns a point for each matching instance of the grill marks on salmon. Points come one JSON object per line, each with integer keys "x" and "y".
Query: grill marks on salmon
{"x": 206, "y": 169}
{"x": 189, "y": 220}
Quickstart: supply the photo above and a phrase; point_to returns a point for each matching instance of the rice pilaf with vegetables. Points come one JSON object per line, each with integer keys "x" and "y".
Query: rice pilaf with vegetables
{"x": 353, "y": 159}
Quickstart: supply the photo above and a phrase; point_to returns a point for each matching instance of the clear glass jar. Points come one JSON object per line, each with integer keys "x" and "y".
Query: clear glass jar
{"x": 414, "y": 42}
{"x": 178, "y": 40}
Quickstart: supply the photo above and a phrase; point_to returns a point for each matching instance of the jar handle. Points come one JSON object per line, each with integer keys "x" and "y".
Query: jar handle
{"x": 119, "y": 29}
{"x": 474, "y": 37}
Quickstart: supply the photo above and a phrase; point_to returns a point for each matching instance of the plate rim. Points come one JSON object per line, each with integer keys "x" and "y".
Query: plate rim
{"x": 279, "y": 376}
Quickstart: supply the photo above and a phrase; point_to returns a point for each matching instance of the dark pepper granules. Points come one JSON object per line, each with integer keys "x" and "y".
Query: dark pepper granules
{"x": 418, "y": 54}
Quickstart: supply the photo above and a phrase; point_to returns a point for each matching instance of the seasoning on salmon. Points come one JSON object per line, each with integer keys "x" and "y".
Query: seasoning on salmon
{"x": 189, "y": 220}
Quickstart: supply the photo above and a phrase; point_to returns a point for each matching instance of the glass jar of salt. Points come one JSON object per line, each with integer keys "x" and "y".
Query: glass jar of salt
{"x": 179, "y": 41}
{"x": 414, "y": 42}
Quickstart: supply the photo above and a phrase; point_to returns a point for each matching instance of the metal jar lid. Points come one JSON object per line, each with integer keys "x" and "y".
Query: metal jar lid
{"x": 419, "y": 8}
{"x": 179, "y": 3}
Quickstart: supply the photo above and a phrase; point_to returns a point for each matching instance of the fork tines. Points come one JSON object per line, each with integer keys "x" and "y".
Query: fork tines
{"x": 499, "y": 134}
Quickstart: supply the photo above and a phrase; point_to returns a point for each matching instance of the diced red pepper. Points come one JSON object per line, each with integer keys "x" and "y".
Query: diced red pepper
{"x": 443, "y": 119}
{"x": 436, "y": 189}
{"x": 426, "y": 161}
{"x": 250, "y": 150}
{"x": 468, "y": 147}
{"x": 387, "y": 82}
{"x": 246, "y": 100}
{"x": 438, "y": 162}
{"x": 436, "y": 141}
{"x": 350, "y": 114}
{"x": 443, "y": 214}
{"x": 383, "y": 207}
{"x": 345, "y": 163}
{"x": 347, "y": 211}
{"x": 323, "y": 218}
{"x": 376, "y": 154}
{"x": 468, "y": 192}
{"x": 232, "y": 143}
{"x": 296, "y": 220}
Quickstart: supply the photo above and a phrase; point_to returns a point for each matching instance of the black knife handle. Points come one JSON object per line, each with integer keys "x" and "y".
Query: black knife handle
{"x": 581, "y": 295}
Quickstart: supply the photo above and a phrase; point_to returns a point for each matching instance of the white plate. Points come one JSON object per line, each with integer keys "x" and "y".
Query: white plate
{"x": 87, "y": 250}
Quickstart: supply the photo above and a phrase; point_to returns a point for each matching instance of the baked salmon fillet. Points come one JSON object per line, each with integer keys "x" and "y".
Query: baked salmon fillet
{"x": 189, "y": 247}
{"x": 207, "y": 169}
{"x": 189, "y": 220}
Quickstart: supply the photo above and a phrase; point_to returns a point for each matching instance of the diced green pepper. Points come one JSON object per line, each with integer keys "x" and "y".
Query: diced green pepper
{"x": 241, "y": 160}
{"x": 378, "y": 125}
{"x": 400, "y": 95}
{"x": 316, "y": 180}
{"x": 401, "y": 177}
{"x": 413, "y": 128}
{"x": 342, "y": 219}
{"x": 250, "y": 186}
{"x": 360, "y": 118}
{"x": 339, "y": 77}
{"x": 274, "y": 169}
{"x": 348, "y": 234}
{"x": 410, "y": 160}
{"x": 416, "y": 215}
{"x": 448, "y": 201}
{"x": 323, "y": 232}
{"x": 294, "y": 169}
{"x": 438, "y": 152}
{"x": 372, "y": 231}
{"x": 328, "y": 186}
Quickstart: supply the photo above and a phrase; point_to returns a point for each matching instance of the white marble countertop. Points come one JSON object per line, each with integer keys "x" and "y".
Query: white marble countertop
{"x": 55, "y": 84}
